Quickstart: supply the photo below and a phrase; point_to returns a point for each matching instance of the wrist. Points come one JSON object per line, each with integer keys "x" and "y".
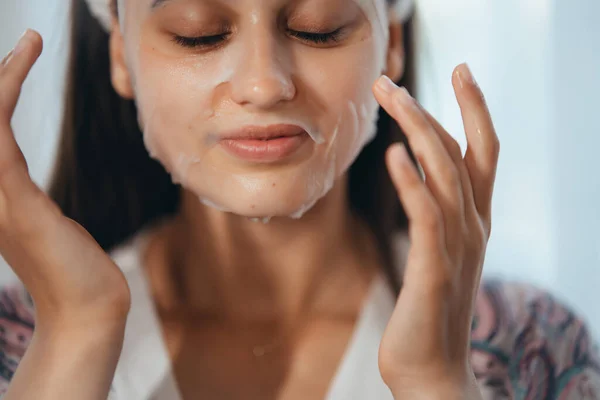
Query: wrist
{"x": 75, "y": 362}
{"x": 107, "y": 318}
{"x": 428, "y": 392}
{"x": 436, "y": 389}
{"x": 79, "y": 329}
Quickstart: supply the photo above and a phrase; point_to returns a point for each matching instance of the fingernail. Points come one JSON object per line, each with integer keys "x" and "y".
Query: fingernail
{"x": 465, "y": 76}
{"x": 403, "y": 157}
{"x": 22, "y": 43}
{"x": 386, "y": 84}
{"x": 404, "y": 98}
{"x": 7, "y": 58}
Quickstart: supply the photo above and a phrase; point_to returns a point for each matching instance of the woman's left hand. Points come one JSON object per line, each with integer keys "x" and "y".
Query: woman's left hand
{"x": 425, "y": 350}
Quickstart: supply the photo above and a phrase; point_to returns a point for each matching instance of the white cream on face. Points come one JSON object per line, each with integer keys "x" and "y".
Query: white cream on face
{"x": 187, "y": 100}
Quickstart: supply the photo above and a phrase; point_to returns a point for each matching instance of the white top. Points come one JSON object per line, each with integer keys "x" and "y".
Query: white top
{"x": 144, "y": 370}
{"x": 525, "y": 343}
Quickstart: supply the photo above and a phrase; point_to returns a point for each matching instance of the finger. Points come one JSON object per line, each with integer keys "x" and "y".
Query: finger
{"x": 474, "y": 231}
{"x": 426, "y": 219}
{"x": 12, "y": 75}
{"x": 442, "y": 175}
{"x": 453, "y": 149}
{"x": 5, "y": 59}
{"x": 422, "y": 210}
{"x": 483, "y": 144}
{"x": 15, "y": 70}
{"x": 15, "y": 182}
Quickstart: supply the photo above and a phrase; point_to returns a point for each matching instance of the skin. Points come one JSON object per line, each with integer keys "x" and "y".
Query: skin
{"x": 260, "y": 74}
{"x": 82, "y": 298}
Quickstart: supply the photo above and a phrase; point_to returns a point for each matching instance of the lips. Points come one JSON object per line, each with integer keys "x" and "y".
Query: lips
{"x": 264, "y": 144}
{"x": 264, "y": 132}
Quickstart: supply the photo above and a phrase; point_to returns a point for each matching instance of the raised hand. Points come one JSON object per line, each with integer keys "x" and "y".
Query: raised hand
{"x": 81, "y": 297}
{"x": 425, "y": 351}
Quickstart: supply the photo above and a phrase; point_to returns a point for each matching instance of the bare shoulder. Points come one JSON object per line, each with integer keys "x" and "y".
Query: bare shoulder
{"x": 16, "y": 329}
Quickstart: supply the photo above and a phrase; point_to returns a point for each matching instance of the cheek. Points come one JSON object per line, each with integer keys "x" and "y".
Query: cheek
{"x": 342, "y": 81}
{"x": 173, "y": 100}
{"x": 341, "y": 73}
{"x": 164, "y": 86}
{"x": 345, "y": 76}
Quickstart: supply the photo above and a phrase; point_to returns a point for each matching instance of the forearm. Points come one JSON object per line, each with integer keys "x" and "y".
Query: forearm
{"x": 69, "y": 364}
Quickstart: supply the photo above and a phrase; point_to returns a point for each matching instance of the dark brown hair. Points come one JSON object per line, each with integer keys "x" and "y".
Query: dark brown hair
{"x": 105, "y": 180}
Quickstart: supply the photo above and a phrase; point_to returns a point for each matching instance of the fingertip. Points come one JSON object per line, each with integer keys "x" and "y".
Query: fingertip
{"x": 385, "y": 84}
{"x": 459, "y": 67}
{"x": 36, "y": 40}
{"x": 461, "y": 76}
{"x": 398, "y": 155}
{"x": 383, "y": 88}
{"x": 374, "y": 86}
{"x": 394, "y": 153}
{"x": 398, "y": 161}
{"x": 376, "y": 89}
{"x": 30, "y": 40}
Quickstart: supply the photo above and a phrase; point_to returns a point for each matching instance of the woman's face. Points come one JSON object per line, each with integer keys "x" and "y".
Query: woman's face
{"x": 256, "y": 106}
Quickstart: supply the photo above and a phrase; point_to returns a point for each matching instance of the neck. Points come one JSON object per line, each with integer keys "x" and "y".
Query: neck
{"x": 241, "y": 271}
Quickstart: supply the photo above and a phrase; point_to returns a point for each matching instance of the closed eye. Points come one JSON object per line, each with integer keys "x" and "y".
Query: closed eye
{"x": 317, "y": 38}
{"x": 215, "y": 40}
{"x": 200, "y": 41}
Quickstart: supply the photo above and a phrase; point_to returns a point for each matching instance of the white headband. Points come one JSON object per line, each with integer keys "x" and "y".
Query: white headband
{"x": 403, "y": 9}
{"x": 100, "y": 9}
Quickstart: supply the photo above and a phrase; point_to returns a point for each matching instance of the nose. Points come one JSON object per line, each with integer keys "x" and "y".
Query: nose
{"x": 263, "y": 77}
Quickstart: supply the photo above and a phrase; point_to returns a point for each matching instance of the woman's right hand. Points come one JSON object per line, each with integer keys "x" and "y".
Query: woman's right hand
{"x": 66, "y": 272}
{"x": 81, "y": 297}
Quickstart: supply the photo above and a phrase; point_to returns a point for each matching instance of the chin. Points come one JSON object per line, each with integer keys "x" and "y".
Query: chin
{"x": 265, "y": 191}
{"x": 268, "y": 199}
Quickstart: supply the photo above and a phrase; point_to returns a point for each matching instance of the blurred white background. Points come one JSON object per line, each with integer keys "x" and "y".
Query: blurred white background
{"x": 538, "y": 62}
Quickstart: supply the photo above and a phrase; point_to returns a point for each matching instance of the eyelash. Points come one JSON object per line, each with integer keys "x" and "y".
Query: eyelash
{"x": 215, "y": 40}
{"x": 318, "y": 38}
{"x": 200, "y": 41}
